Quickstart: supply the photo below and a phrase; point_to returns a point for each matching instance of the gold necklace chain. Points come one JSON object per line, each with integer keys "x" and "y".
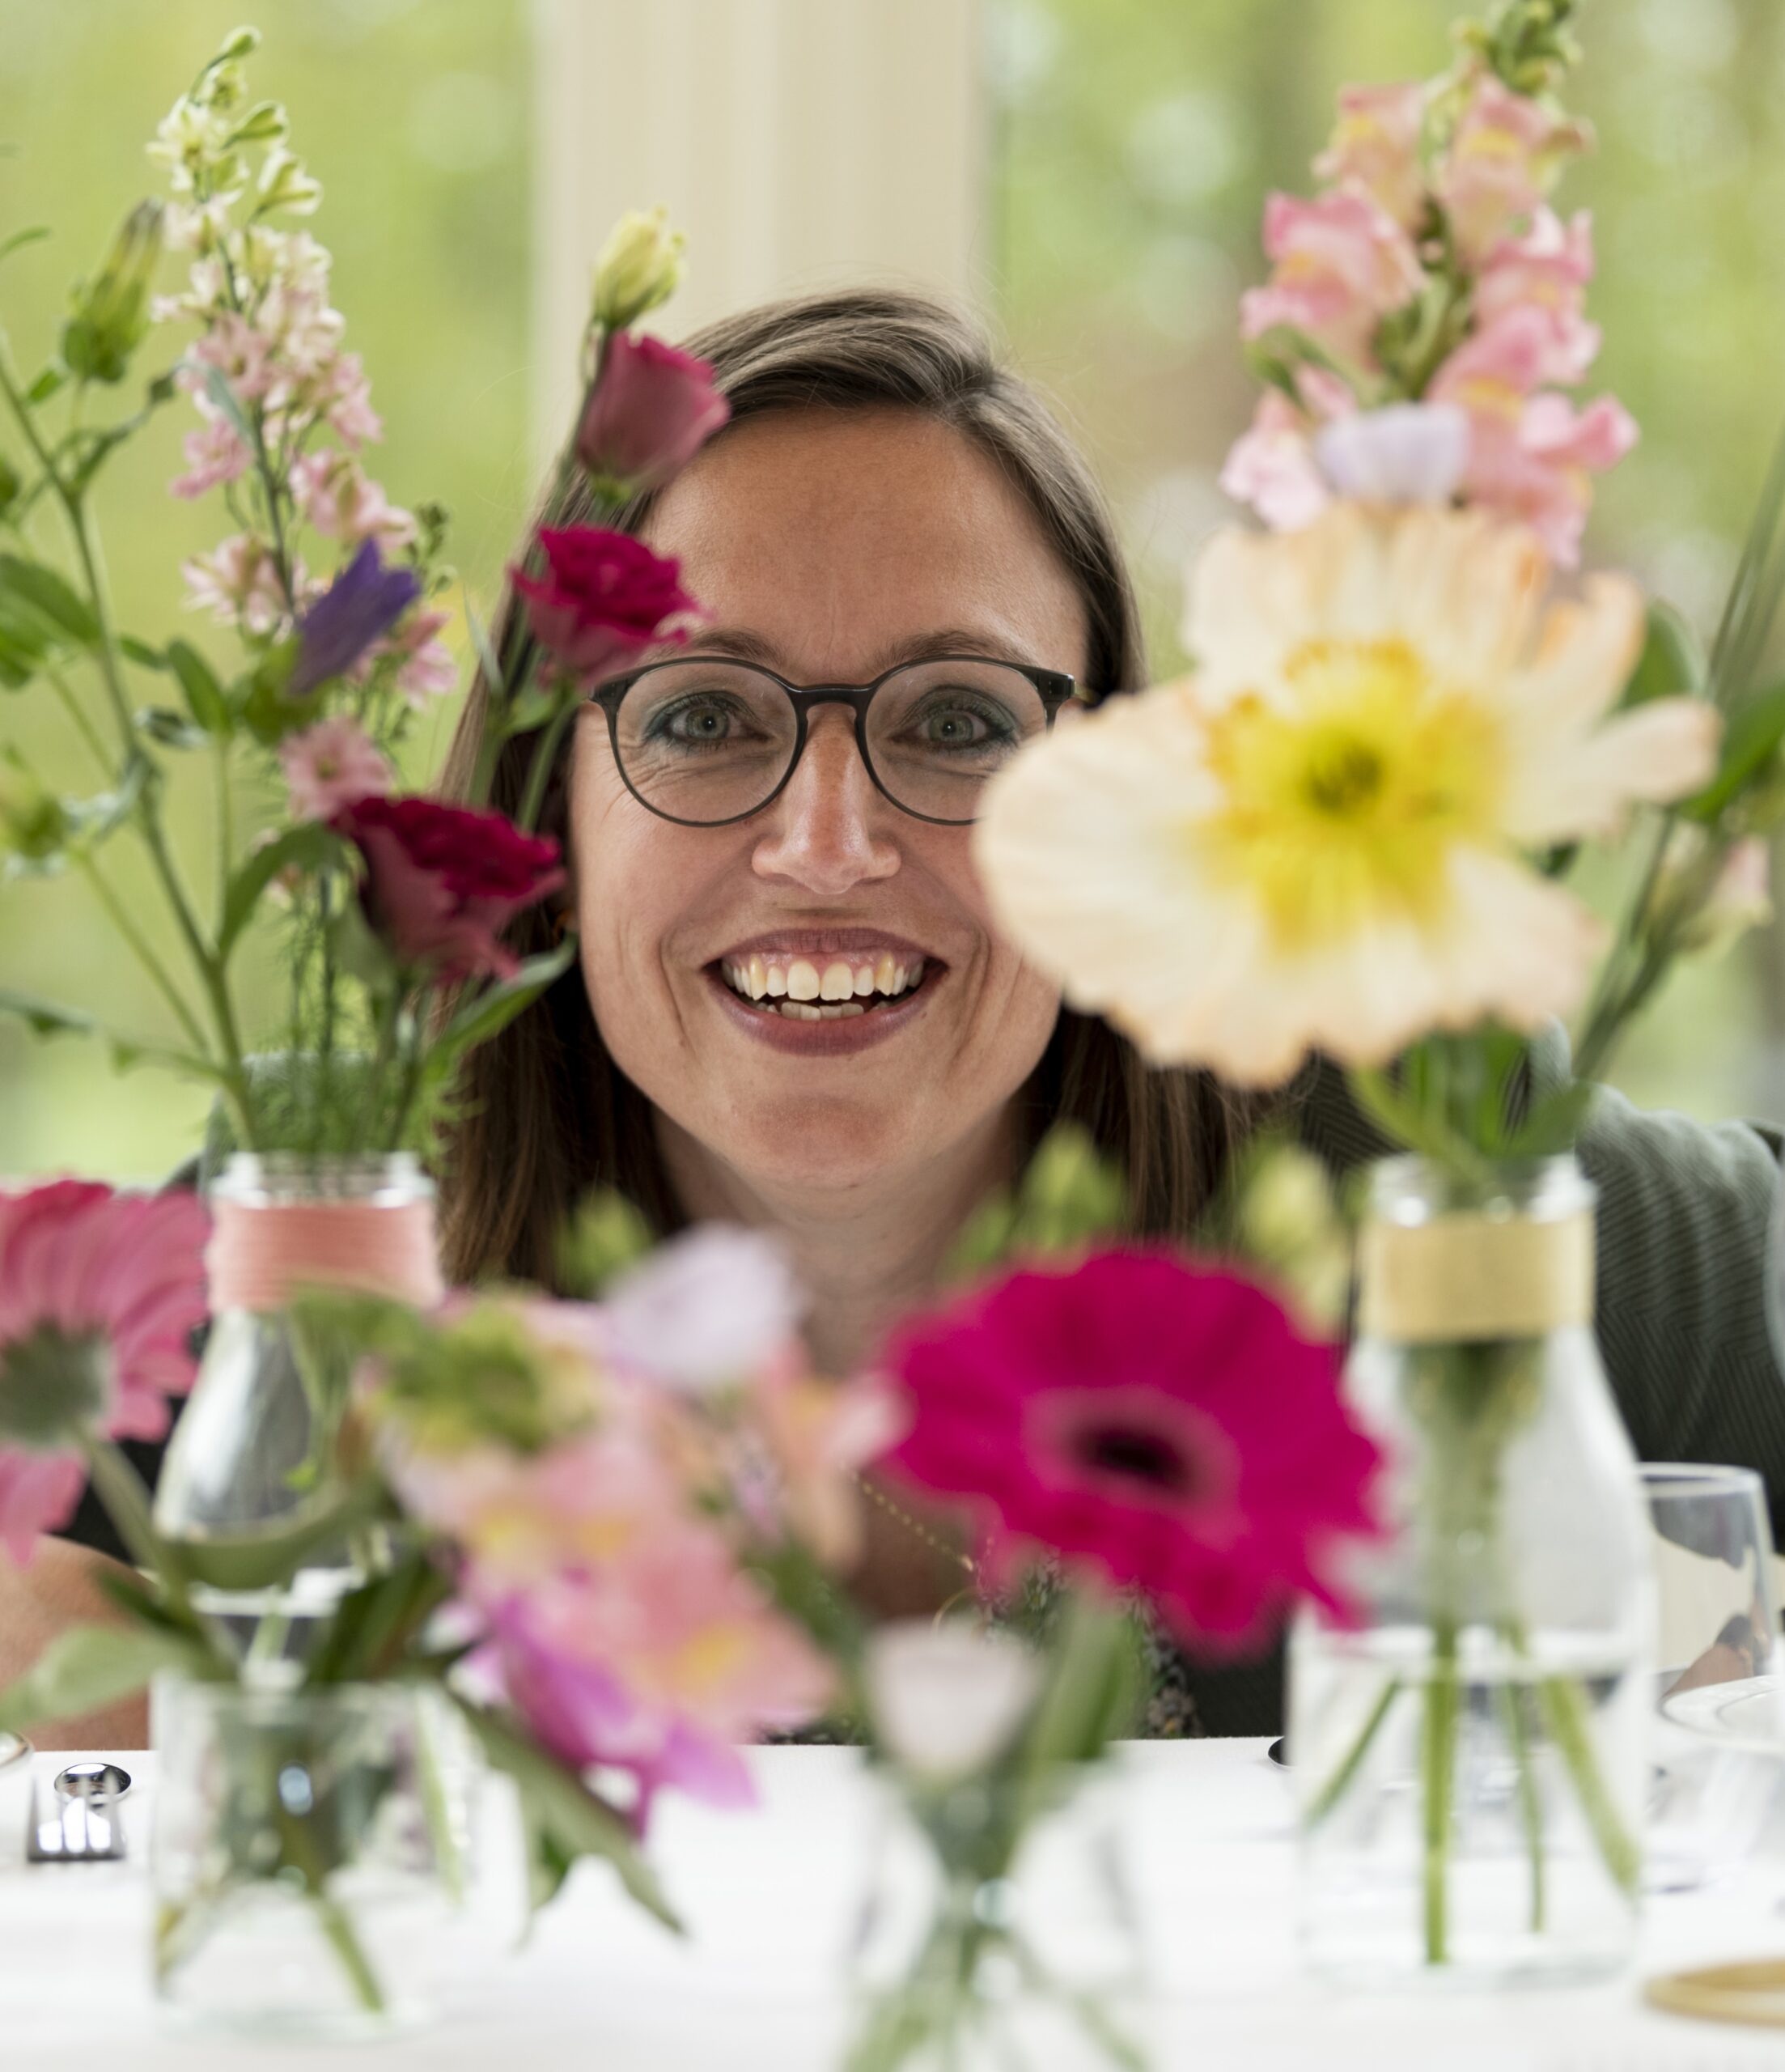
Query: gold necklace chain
{"x": 916, "y": 1527}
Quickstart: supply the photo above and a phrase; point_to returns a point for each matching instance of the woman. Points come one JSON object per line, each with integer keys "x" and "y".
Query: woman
{"x": 885, "y": 495}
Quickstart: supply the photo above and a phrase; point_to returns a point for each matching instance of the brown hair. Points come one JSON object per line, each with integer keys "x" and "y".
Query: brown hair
{"x": 545, "y": 1114}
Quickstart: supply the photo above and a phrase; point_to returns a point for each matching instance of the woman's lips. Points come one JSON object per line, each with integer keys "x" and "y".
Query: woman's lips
{"x": 824, "y": 1038}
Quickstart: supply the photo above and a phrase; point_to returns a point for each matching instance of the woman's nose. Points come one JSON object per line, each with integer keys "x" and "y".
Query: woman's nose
{"x": 829, "y": 831}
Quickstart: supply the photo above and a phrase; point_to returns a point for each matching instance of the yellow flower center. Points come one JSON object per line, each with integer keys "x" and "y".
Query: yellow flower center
{"x": 1342, "y": 803}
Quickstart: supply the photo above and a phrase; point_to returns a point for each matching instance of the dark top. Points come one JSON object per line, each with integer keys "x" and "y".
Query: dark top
{"x": 1686, "y": 1253}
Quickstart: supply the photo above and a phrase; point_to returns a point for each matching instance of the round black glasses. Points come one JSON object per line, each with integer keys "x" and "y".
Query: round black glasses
{"x": 704, "y": 741}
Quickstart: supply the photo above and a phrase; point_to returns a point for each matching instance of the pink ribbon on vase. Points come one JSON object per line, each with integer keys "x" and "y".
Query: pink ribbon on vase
{"x": 261, "y": 1254}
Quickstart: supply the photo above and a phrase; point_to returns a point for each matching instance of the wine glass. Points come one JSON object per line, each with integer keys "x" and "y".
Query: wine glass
{"x": 1720, "y": 1725}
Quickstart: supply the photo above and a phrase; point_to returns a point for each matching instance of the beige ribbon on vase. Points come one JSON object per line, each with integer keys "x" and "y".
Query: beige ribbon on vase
{"x": 1469, "y": 1276}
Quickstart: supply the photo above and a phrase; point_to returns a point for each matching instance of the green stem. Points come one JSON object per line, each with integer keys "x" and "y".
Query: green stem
{"x": 1561, "y": 1698}
{"x": 233, "y": 1078}
{"x": 76, "y": 713}
{"x": 126, "y": 1501}
{"x": 120, "y": 917}
{"x": 1512, "y": 1701}
{"x": 1340, "y": 1782}
{"x": 539, "y": 771}
{"x": 226, "y": 828}
{"x": 336, "y": 1922}
{"x": 1437, "y": 1759}
{"x": 375, "y": 1076}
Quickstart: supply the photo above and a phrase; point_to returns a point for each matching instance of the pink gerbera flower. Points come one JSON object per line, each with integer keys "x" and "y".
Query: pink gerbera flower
{"x": 99, "y": 1294}
{"x": 1160, "y": 1424}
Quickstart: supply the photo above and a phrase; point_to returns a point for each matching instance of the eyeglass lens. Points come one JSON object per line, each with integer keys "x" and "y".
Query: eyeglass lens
{"x": 710, "y": 741}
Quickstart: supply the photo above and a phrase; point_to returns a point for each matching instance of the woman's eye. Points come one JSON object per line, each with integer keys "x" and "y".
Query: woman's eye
{"x": 703, "y": 722}
{"x": 958, "y": 726}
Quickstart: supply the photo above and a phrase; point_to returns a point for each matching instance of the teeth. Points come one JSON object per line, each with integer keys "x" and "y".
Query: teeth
{"x": 759, "y": 979}
{"x": 802, "y": 1013}
{"x": 838, "y": 987}
{"x": 803, "y": 981}
{"x": 864, "y": 979}
{"x": 883, "y": 972}
{"x": 777, "y": 983}
{"x": 838, "y": 983}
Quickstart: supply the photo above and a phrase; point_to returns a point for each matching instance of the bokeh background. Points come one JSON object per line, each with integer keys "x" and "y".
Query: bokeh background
{"x": 1116, "y": 154}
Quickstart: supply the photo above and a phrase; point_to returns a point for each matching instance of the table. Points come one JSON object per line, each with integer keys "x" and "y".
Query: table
{"x": 769, "y": 1895}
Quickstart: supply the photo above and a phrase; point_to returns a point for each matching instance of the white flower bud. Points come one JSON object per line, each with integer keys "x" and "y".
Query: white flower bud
{"x": 639, "y": 268}
{"x": 946, "y": 1699}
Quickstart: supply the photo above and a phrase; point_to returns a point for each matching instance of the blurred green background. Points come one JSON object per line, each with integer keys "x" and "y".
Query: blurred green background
{"x": 1133, "y": 142}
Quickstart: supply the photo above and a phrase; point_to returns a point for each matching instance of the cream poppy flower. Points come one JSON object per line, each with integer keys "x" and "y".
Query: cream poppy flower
{"x": 1321, "y": 841}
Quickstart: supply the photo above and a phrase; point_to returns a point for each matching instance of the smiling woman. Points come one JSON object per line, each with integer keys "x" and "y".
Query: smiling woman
{"x": 792, "y": 1008}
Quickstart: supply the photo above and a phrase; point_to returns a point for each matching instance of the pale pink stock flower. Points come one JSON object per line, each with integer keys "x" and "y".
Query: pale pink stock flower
{"x": 1501, "y": 158}
{"x": 99, "y": 1294}
{"x": 342, "y": 393}
{"x": 328, "y": 766}
{"x": 241, "y": 351}
{"x": 238, "y": 582}
{"x": 1541, "y": 469}
{"x": 706, "y": 1311}
{"x": 216, "y": 453}
{"x": 343, "y": 502}
{"x": 427, "y": 668}
{"x": 1546, "y": 270}
{"x": 1375, "y": 146}
{"x": 1341, "y": 261}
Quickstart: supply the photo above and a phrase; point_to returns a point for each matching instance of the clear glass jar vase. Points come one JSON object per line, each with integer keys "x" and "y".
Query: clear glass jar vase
{"x": 249, "y": 1465}
{"x": 303, "y": 1860}
{"x": 1471, "y": 1758}
{"x": 997, "y": 1929}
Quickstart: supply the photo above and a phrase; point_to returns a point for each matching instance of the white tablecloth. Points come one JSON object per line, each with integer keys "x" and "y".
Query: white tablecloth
{"x": 768, "y": 1898}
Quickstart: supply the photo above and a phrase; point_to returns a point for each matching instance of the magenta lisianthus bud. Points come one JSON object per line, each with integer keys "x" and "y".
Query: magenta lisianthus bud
{"x": 649, "y": 414}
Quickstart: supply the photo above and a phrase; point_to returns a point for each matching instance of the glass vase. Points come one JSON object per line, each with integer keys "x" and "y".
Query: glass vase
{"x": 1471, "y": 1758}
{"x": 997, "y": 1929}
{"x": 304, "y": 1863}
{"x": 250, "y": 1463}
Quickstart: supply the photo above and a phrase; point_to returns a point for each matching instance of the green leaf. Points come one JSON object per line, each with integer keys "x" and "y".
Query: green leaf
{"x": 44, "y": 1018}
{"x": 32, "y": 593}
{"x": 488, "y": 1011}
{"x": 205, "y": 697}
{"x": 88, "y": 1666}
{"x": 1671, "y": 664}
{"x": 49, "y": 380}
{"x": 1554, "y": 1125}
{"x": 217, "y": 387}
{"x": 20, "y": 238}
{"x": 564, "y": 1819}
{"x": 1750, "y": 742}
{"x": 311, "y": 845}
{"x": 140, "y": 653}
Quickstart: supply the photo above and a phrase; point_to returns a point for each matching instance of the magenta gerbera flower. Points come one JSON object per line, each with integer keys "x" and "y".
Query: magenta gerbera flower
{"x": 99, "y": 1293}
{"x": 1160, "y": 1424}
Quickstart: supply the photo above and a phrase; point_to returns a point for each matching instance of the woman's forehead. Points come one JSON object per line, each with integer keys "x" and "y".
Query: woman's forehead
{"x": 872, "y": 531}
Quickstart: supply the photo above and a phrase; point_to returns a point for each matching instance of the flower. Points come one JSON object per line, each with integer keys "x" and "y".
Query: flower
{"x": 111, "y": 314}
{"x": 239, "y": 581}
{"x": 656, "y": 1661}
{"x": 1159, "y": 1424}
{"x": 649, "y": 414}
{"x": 639, "y": 267}
{"x": 1547, "y": 270}
{"x": 328, "y": 766}
{"x": 817, "y": 1435}
{"x": 707, "y": 1310}
{"x": 1501, "y": 160}
{"x": 442, "y": 882}
{"x": 605, "y": 598}
{"x": 215, "y": 453}
{"x": 99, "y": 1293}
{"x": 365, "y": 598}
{"x": 1319, "y": 842}
{"x": 1375, "y": 146}
{"x": 1403, "y": 453}
{"x": 1272, "y": 466}
{"x": 1739, "y": 897}
{"x": 1341, "y": 262}
{"x": 946, "y": 1697}
{"x": 343, "y": 502}
{"x": 425, "y": 667}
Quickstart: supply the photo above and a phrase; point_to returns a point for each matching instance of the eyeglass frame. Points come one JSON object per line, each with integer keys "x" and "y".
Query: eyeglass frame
{"x": 1055, "y": 688}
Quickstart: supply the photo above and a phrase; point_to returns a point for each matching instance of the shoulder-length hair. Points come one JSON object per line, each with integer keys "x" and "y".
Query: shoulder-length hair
{"x": 542, "y": 1113}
